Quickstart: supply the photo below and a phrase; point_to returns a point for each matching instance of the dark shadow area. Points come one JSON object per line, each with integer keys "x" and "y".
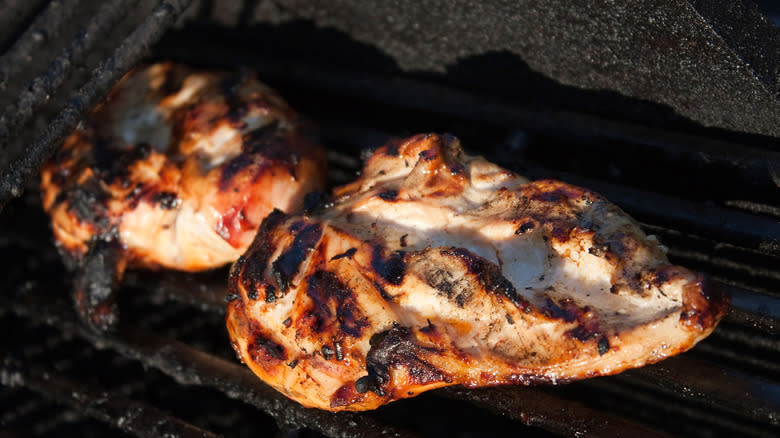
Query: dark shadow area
{"x": 494, "y": 102}
{"x": 499, "y": 74}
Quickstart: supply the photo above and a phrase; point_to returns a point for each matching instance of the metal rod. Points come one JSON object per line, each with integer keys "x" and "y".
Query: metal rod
{"x": 44, "y": 85}
{"x": 46, "y": 26}
{"x": 16, "y": 12}
{"x": 750, "y": 231}
{"x": 715, "y": 386}
{"x": 192, "y": 367}
{"x": 129, "y": 415}
{"x": 435, "y": 98}
{"x": 684, "y": 376}
{"x": 106, "y": 75}
{"x": 535, "y": 407}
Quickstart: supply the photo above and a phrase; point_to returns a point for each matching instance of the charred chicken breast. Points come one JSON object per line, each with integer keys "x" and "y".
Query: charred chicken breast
{"x": 175, "y": 170}
{"x": 438, "y": 268}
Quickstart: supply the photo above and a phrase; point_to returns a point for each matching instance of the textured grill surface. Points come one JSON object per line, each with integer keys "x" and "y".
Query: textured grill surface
{"x": 711, "y": 196}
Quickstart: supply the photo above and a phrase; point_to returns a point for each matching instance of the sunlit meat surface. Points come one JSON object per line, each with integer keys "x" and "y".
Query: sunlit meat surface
{"x": 438, "y": 268}
{"x": 175, "y": 170}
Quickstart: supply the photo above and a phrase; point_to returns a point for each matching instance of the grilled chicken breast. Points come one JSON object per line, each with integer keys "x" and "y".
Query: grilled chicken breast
{"x": 438, "y": 268}
{"x": 175, "y": 170}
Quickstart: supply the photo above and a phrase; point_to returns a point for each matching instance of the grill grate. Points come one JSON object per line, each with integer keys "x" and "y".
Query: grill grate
{"x": 169, "y": 368}
{"x": 106, "y": 74}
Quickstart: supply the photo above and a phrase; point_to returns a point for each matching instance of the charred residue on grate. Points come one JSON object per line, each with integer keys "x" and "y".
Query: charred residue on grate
{"x": 723, "y": 223}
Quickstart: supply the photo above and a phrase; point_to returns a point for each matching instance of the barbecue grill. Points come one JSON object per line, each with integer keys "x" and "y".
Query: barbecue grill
{"x": 670, "y": 111}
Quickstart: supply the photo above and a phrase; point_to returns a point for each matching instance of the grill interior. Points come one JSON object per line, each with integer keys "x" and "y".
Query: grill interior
{"x": 711, "y": 195}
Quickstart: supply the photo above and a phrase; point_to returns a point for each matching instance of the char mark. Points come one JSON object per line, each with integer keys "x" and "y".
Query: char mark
{"x": 489, "y": 276}
{"x": 263, "y": 350}
{"x": 232, "y": 168}
{"x": 334, "y": 303}
{"x": 528, "y": 226}
{"x": 391, "y": 269}
{"x": 587, "y": 323}
{"x": 112, "y": 163}
{"x": 389, "y": 195}
{"x": 286, "y": 266}
{"x": 392, "y": 149}
{"x": 87, "y": 202}
{"x": 396, "y": 348}
{"x": 428, "y": 154}
{"x": 250, "y": 268}
{"x": 455, "y": 290}
{"x": 603, "y": 346}
{"x": 346, "y": 254}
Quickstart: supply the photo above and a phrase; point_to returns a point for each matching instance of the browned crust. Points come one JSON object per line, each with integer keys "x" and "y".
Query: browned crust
{"x": 96, "y": 180}
{"x": 355, "y": 338}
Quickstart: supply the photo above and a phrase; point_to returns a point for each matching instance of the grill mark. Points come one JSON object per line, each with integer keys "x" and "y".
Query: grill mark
{"x": 113, "y": 163}
{"x": 391, "y": 269}
{"x": 334, "y": 303}
{"x": 250, "y": 268}
{"x": 489, "y": 276}
{"x": 456, "y": 291}
{"x": 392, "y": 150}
{"x": 587, "y": 323}
{"x": 231, "y": 86}
{"x": 395, "y": 348}
{"x": 232, "y": 168}
{"x": 346, "y": 254}
{"x": 346, "y": 395}
{"x": 262, "y": 349}
{"x": 288, "y": 263}
{"x": 264, "y": 141}
{"x": 428, "y": 154}
{"x": 388, "y": 195}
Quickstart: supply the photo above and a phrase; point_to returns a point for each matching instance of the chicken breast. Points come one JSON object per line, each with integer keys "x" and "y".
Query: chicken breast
{"x": 438, "y": 268}
{"x": 175, "y": 170}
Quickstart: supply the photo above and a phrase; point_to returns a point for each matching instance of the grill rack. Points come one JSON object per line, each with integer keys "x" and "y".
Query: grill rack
{"x": 741, "y": 354}
{"x": 708, "y": 394}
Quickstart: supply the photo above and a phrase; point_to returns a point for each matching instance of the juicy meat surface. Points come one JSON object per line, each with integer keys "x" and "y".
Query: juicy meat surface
{"x": 438, "y": 268}
{"x": 175, "y": 170}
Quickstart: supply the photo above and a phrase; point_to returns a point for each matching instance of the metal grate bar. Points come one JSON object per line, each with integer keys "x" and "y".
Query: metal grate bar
{"x": 690, "y": 378}
{"x": 725, "y": 225}
{"x": 715, "y": 386}
{"x": 45, "y": 26}
{"x": 192, "y": 367}
{"x": 434, "y": 98}
{"x": 677, "y": 416}
{"x": 15, "y": 14}
{"x": 107, "y": 74}
{"x": 535, "y": 407}
{"x": 40, "y": 88}
{"x": 757, "y": 321}
{"x": 129, "y": 415}
{"x": 758, "y": 233}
